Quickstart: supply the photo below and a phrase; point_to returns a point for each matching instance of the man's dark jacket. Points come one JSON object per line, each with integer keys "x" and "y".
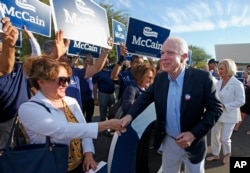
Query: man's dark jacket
{"x": 200, "y": 108}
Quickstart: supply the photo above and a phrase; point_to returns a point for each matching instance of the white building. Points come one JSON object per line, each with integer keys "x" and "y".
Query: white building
{"x": 240, "y": 53}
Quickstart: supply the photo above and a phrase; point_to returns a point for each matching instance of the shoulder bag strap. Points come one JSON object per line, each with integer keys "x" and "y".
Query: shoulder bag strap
{"x": 43, "y": 105}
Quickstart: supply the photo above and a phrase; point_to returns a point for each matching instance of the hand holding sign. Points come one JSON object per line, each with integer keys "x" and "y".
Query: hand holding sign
{"x": 110, "y": 43}
{"x": 123, "y": 50}
{"x": 81, "y": 20}
{"x": 10, "y": 33}
{"x": 27, "y": 32}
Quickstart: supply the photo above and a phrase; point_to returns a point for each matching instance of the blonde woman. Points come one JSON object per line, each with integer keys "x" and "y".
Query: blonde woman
{"x": 231, "y": 93}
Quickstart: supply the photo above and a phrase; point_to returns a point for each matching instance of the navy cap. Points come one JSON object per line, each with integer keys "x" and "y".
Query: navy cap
{"x": 212, "y": 61}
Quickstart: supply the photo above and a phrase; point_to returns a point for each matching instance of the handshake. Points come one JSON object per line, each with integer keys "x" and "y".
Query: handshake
{"x": 119, "y": 125}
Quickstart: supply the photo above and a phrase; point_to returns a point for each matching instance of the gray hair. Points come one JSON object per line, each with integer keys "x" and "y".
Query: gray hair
{"x": 181, "y": 44}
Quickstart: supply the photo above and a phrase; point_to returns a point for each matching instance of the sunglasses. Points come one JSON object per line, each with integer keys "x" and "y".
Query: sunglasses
{"x": 62, "y": 80}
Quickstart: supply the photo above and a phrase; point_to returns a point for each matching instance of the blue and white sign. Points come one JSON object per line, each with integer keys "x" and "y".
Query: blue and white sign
{"x": 35, "y": 15}
{"x": 81, "y": 49}
{"x": 127, "y": 57}
{"x": 81, "y": 20}
{"x": 101, "y": 168}
{"x": 1, "y": 16}
{"x": 119, "y": 32}
{"x": 19, "y": 39}
{"x": 123, "y": 149}
{"x": 144, "y": 38}
{"x": 189, "y": 61}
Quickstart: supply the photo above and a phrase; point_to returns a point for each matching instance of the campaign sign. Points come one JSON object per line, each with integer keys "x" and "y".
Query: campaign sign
{"x": 127, "y": 57}
{"x": 101, "y": 168}
{"x": 189, "y": 61}
{"x": 119, "y": 32}
{"x": 19, "y": 39}
{"x": 119, "y": 159}
{"x": 144, "y": 38}
{"x": 35, "y": 15}
{"x": 117, "y": 52}
{"x": 81, "y": 20}
{"x": 81, "y": 49}
{"x": 1, "y": 16}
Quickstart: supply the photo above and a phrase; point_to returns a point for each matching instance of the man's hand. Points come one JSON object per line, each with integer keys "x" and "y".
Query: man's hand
{"x": 10, "y": 33}
{"x": 123, "y": 50}
{"x": 7, "y": 55}
{"x": 110, "y": 43}
{"x": 185, "y": 139}
{"x": 126, "y": 120}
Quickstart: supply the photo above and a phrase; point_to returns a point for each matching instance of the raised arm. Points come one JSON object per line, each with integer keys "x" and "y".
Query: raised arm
{"x": 7, "y": 53}
{"x": 60, "y": 46}
{"x": 118, "y": 65}
{"x": 93, "y": 69}
{"x": 35, "y": 47}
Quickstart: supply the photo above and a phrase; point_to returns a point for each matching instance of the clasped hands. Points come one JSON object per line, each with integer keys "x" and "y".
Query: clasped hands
{"x": 119, "y": 125}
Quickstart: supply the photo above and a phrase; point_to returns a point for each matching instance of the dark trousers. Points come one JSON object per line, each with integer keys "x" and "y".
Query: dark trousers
{"x": 88, "y": 108}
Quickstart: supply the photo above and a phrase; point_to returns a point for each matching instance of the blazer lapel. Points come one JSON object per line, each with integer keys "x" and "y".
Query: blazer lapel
{"x": 187, "y": 89}
{"x": 162, "y": 85}
{"x": 165, "y": 96}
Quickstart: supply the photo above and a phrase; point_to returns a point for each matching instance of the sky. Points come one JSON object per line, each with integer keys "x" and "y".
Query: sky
{"x": 203, "y": 23}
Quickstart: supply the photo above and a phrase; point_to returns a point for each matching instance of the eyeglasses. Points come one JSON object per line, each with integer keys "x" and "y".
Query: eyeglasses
{"x": 62, "y": 80}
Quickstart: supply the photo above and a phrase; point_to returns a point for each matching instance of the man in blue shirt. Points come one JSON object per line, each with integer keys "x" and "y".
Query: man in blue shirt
{"x": 13, "y": 86}
{"x": 212, "y": 66}
{"x": 185, "y": 109}
{"x": 104, "y": 90}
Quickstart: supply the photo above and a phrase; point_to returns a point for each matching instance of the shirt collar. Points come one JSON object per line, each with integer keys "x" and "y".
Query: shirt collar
{"x": 180, "y": 77}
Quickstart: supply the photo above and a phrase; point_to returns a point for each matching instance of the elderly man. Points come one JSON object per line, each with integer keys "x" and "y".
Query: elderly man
{"x": 185, "y": 109}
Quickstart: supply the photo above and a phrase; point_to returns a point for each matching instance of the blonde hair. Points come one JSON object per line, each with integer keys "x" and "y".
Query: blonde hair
{"x": 230, "y": 66}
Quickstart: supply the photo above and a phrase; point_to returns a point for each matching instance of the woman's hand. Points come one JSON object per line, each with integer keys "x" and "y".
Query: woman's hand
{"x": 60, "y": 46}
{"x": 112, "y": 124}
{"x": 116, "y": 124}
{"x": 89, "y": 162}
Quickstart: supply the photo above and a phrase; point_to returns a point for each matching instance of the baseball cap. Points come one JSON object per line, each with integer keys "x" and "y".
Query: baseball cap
{"x": 212, "y": 61}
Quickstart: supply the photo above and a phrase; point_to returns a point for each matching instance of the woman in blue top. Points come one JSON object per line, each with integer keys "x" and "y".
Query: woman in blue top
{"x": 143, "y": 76}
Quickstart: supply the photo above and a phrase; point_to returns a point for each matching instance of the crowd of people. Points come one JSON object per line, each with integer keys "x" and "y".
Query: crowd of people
{"x": 186, "y": 110}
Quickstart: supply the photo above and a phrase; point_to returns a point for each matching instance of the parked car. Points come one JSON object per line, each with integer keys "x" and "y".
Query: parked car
{"x": 239, "y": 76}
